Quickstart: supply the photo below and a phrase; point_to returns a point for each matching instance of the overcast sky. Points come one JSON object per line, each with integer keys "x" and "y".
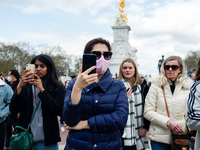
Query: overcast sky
{"x": 158, "y": 27}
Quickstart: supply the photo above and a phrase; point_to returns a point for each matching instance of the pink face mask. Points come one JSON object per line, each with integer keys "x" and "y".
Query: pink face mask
{"x": 102, "y": 65}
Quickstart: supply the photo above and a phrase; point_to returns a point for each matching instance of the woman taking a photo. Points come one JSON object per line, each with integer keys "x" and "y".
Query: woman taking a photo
{"x": 40, "y": 88}
{"x": 96, "y": 106}
{"x": 176, "y": 88}
{"x": 134, "y": 134}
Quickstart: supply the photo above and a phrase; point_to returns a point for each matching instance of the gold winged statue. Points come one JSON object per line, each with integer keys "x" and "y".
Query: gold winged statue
{"x": 121, "y": 8}
{"x": 122, "y": 5}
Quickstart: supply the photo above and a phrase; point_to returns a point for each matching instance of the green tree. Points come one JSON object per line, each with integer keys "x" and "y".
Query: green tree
{"x": 60, "y": 58}
{"x": 17, "y": 55}
{"x": 192, "y": 59}
{"x": 12, "y": 57}
{"x": 77, "y": 64}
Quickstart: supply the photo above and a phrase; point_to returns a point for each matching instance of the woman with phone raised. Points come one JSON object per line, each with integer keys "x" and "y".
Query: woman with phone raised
{"x": 134, "y": 134}
{"x": 42, "y": 89}
{"x": 96, "y": 106}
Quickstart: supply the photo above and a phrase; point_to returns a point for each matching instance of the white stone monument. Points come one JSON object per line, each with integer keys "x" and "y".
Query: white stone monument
{"x": 121, "y": 48}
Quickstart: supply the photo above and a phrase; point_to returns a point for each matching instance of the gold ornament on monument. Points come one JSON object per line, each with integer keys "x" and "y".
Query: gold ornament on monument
{"x": 121, "y": 9}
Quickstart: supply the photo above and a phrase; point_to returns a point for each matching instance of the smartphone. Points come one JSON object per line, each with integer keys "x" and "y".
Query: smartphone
{"x": 134, "y": 88}
{"x": 89, "y": 60}
{"x": 31, "y": 67}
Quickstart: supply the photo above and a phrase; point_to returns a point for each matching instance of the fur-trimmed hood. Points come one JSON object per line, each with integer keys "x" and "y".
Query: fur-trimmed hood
{"x": 1, "y": 82}
{"x": 185, "y": 81}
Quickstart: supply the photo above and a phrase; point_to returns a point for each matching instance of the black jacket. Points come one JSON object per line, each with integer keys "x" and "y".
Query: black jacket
{"x": 52, "y": 104}
{"x": 144, "y": 91}
{"x": 12, "y": 118}
{"x": 14, "y": 85}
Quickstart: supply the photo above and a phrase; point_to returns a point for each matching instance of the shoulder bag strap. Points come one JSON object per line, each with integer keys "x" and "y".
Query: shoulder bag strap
{"x": 166, "y": 105}
{"x": 165, "y": 102}
{"x": 33, "y": 115}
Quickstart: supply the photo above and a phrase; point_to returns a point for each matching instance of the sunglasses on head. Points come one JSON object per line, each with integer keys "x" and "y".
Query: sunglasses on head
{"x": 107, "y": 55}
{"x": 174, "y": 67}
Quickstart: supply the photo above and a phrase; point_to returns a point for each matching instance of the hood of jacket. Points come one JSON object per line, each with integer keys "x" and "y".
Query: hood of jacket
{"x": 1, "y": 82}
{"x": 185, "y": 81}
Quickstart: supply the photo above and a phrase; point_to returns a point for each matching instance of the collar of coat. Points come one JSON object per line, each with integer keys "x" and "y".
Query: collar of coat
{"x": 104, "y": 83}
{"x": 185, "y": 81}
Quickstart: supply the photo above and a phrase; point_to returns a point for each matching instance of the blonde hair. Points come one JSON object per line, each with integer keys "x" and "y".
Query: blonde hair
{"x": 180, "y": 62}
{"x": 136, "y": 78}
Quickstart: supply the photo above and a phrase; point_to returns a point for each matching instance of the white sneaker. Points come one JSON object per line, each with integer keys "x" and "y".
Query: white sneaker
{"x": 62, "y": 129}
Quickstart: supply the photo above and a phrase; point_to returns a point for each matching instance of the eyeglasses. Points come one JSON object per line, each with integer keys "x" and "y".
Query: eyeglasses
{"x": 107, "y": 55}
{"x": 174, "y": 67}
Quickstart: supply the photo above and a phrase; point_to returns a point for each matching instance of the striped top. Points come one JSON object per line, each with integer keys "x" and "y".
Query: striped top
{"x": 193, "y": 112}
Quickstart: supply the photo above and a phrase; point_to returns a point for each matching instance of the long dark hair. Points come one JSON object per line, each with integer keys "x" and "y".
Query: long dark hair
{"x": 197, "y": 76}
{"x": 50, "y": 80}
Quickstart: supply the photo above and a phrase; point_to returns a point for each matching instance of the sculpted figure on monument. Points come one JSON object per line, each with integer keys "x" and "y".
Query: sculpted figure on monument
{"x": 132, "y": 53}
{"x": 119, "y": 49}
{"x": 160, "y": 63}
{"x": 121, "y": 8}
{"x": 122, "y": 5}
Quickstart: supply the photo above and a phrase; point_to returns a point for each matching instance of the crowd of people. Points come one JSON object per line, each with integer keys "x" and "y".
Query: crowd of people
{"x": 101, "y": 112}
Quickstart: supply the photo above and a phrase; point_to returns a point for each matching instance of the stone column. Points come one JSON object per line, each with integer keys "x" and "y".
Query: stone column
{"x": 121, "y": 48}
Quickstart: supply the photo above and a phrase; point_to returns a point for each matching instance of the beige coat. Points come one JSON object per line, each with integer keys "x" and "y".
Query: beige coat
{"x": 155, "y": 109}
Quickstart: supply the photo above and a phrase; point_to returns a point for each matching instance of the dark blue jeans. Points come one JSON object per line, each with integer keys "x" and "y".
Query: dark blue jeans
{"x": 8, "y": 135}
{"x": 160, "y": 146}
{"x": 41, "y": 146}
{"x": 191, "y": 144}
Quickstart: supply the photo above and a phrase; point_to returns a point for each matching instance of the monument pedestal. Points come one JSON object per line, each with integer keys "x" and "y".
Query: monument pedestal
{"x": 121, "y": 48}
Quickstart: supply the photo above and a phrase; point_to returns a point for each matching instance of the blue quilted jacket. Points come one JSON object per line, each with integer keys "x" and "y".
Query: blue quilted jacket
{"x": 105, "y": 105}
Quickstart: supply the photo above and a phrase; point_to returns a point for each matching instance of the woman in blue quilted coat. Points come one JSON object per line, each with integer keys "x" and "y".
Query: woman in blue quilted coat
{"x": 96, "y": 106}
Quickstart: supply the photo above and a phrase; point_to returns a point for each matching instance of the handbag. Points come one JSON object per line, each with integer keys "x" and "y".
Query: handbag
{"x": 179, "y": 142}
{"x": 24, "y": 139}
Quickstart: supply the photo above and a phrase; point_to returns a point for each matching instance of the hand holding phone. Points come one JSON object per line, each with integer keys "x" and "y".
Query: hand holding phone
{"x": 89, "y": 60}
{"x": 30, "y": 67}
{"x": 84, "y": 78}
{"x": 24, "y": 78}
{"x": 134, "y": 88}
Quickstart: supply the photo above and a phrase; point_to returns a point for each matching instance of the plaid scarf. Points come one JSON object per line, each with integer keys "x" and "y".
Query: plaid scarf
{"x": 135, "y": 120}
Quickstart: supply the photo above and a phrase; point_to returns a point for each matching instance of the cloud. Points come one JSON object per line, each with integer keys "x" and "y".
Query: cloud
{"x": 14, "y": 3}
{"x": 32, "y": 9}
{"x": 73, "y": 6}
{"x": 53, "y": 24}
{"x": 2, "y": 40}
{"x": 73, "y": 46}
{"x": 134, "y": 9}
{"x": 165, "y": 29}
{"x": 168, "y": 27}
{"x": 137, "y": 1}
{"x": 101, "y": 5}
{"x": 175, "y": 17}
{"x": 104, "y": 18}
